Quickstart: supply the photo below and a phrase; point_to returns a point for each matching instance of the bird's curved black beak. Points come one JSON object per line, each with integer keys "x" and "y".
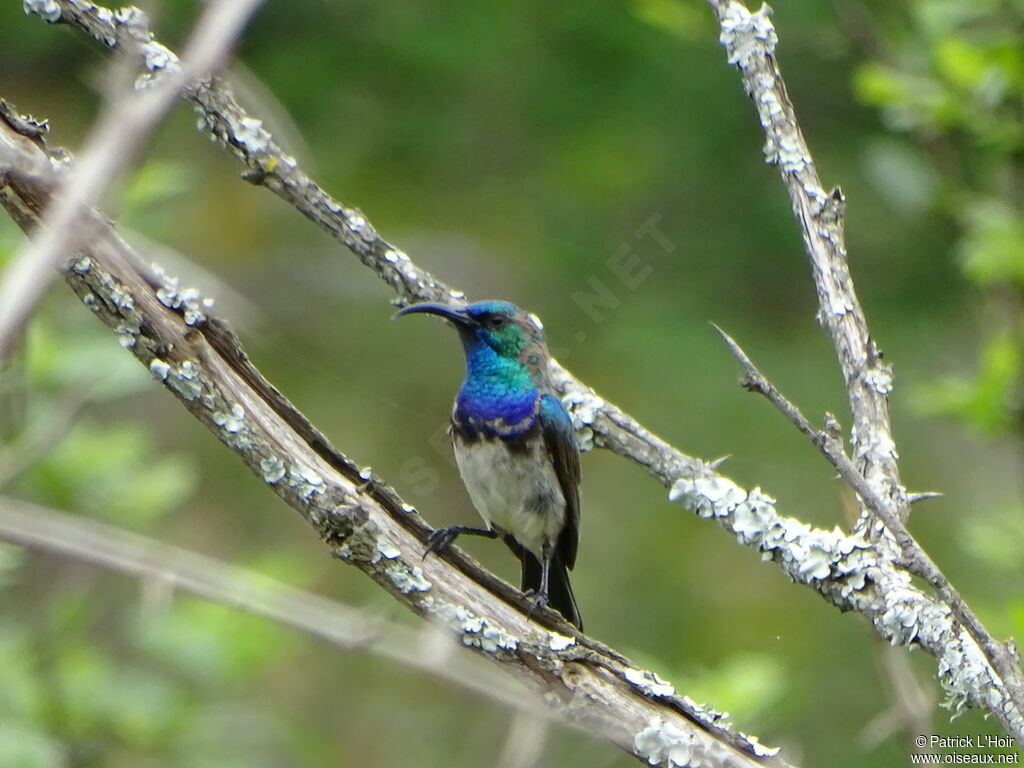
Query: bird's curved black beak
{"x": 457, "y": 315}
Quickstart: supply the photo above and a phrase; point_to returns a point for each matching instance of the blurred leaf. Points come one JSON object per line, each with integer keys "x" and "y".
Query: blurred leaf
{"x": 990, "y": 400}
{"x": 114, "y": 701}
{"x": 246, "y": 734}
{"x": 747, "y": 685}
{"x": 996, "y": 537}
{"x": 212, "y": 643}
{"x": 880, "y": 86}
{"x": 992, "y": 249}
{"x": 288, "y": 566}
{"x": 901, "y": 174}
{"x": 909, "y": 101}
{"x": 1016, "y": 612}
{"x": 111, "y": 472}
{"x": 71, "y": 612}
{"x": 22, "y": 745}
{"x": 683, "y": 20}
{"x": 84, "y": 686}
{"x": 21, "y": 692}
{"x": 937, "y": 18}
{"x": 11, "y": 559}
{"x": 961, "y": 64}
{"x": 68, "y": 359}
{"x": 145, "y": 708}
{"x": 155, "y": 182}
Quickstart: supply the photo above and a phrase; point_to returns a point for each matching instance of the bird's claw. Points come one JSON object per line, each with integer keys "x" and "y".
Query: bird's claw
{"x": 536, "y": 601}
{"x": 440, "y": 540}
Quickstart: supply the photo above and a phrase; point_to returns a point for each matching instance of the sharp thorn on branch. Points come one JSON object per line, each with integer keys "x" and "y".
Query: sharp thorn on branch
{"x": 716, "y": 463}
{"x": 913, "y": 497}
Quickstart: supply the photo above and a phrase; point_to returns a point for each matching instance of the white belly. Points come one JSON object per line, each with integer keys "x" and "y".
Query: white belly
{"x": 515, "y": 493}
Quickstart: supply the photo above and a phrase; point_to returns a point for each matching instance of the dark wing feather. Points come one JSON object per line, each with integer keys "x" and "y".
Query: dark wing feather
{"x": 561, "y": 444}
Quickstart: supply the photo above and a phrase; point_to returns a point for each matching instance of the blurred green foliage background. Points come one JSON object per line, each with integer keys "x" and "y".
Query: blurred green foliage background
{"x": 512, "y": 148}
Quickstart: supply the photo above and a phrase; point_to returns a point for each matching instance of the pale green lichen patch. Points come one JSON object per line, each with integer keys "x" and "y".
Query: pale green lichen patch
{"x": 157, "y": 56}
{"x": 185, "y": 381}
{"x": 232, "y": 421}
{"x": 134, "y": 20}
{"x": 386, "y": 549}
{"x": 663, "y": 744}
{"x": 126, "y": 336}
{"x": 489, "y": 639}
{"x": 157, "y": 59}
{"x": 407, "y": 578}
{"x": 649, "y": 683}
{"x": 188, "y": 301}
{"x": 962, "y": 670}
{"x": 251, "y": 133}
{"x": 747, "y": 35}
{"x": 121, "y": 297}
{"x": 879, "y": 379}
{"x": 159, "y": 369}
{"x": 305, "y": 480}
{"x": 557, "y": 642}
{"x": 48, "y": 10}
{"x": 809, "y": 554}
{"x": 272, "y": 469}
{"x": 878, "y": 443}
{"x": 583, "y": 406}
{"x": 476, "y": 632}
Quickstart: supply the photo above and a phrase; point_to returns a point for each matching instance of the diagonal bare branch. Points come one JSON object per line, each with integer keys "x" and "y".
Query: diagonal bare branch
{"x": 859, "y": 572}
{"x": 118, "y": 134}
{"x": 355, "y": 629}
{"x": 750, "y": 40}
{"x": 363, "y": 521}
{"x": 1004, "y": 668}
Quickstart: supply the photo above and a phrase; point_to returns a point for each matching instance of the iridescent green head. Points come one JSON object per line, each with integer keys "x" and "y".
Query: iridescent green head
{"x": 495, "y": 329}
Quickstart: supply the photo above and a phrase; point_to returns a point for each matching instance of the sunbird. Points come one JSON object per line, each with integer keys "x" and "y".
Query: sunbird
{"x": 515, "y": 448}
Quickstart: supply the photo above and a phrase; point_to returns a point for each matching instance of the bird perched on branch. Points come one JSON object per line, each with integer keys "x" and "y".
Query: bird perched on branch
{"x": 515, "y": 447}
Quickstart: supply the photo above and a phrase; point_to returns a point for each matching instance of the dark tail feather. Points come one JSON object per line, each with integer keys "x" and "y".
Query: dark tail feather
{"x": 560, "y": 595}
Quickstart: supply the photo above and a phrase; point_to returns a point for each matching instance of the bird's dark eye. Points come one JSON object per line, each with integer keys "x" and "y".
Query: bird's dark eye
{"x": 497, "y": 321}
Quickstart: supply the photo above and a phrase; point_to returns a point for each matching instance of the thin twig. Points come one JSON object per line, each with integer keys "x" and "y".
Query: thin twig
{"x": 119, "y": 133}
{"x": 26, "y": 452}
{"x": 914, "y": 557}
{"x": 524, "y": 741}
{"x": 71, "y": 536}
{"x": 911, "y": 707}
{"x": 750, "y": 41}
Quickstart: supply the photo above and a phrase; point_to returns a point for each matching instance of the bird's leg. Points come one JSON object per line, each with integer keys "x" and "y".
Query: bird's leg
{"x": 443, "y": 537}
{"x": 539, "y": 599}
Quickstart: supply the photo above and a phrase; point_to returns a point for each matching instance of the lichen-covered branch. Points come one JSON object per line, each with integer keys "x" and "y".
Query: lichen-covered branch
{"x": 1002, "y": 668}
{"x": 363, "y": 521}
{"x": 119, "y": 131}
{"x": 750, "y": 41}
{"x": 856, "y": 572}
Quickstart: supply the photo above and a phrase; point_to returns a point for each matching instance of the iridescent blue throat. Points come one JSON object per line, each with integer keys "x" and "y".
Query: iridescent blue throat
{"x": 498, "y": 397}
